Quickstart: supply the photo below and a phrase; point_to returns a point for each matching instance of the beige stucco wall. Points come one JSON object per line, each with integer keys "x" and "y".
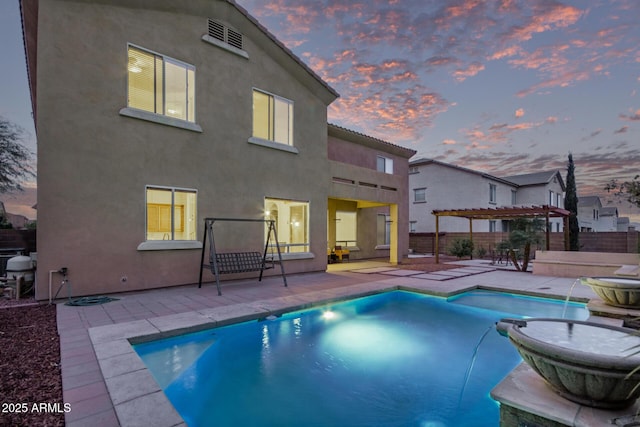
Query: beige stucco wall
{"x": 94, "y": 164}
{"x": 353, "y": 178}
{"x": 581, "y": 264}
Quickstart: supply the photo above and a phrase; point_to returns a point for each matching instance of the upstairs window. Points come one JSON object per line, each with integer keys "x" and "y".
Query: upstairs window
{"x": 384, "y": 164}
{"x": 272, "y": 118}
{"x": 492, "y": 193}
{"x": 419, "y": 195}
{"x": 160, "y": 85}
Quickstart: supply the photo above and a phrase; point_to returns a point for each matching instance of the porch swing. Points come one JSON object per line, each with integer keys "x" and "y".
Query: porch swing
{"x": 240, "y": 262}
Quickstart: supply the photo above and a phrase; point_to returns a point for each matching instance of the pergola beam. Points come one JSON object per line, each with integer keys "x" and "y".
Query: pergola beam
{"x": 511, "y": 212}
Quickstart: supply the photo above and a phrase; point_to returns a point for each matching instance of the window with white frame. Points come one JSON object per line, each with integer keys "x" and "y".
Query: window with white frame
{"x": 412, "y": 226}
{"x": 383, "y": 232}
{"x": 384, "y": 164}
{"x": 492, "y": 193}
{"x": 346, "y": 228}
{"x": 160, "y": 85}
{"x": 552, "y": 198}
{"x": 492, "y": 226}
{"x": 272, "y": 118}
{"x": 419, "y": 195}
{"x": 292, "y": 223}
{"x": 514, "y": 197}
{"x": 171, "y": 213}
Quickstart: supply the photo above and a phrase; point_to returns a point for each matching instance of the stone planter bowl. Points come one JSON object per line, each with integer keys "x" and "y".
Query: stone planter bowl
{"x": 585, "y": 362}
{"x": 615, "y": 291}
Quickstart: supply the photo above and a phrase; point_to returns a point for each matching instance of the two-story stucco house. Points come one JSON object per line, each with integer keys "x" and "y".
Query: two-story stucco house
{"x": 541, "y": 188}
{"x": 589, "y": 213}
{"x": 435, "y": 185}
{"x": 152, "y": 116}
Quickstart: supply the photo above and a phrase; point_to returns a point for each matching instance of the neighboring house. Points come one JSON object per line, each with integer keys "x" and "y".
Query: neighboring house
{"x": 152, "y": 116}
{"x": 541, "y": 188}
{"x": 435, "y": 185}
{"x": 589, "y": 208}
{"x": 592, "y": 216}
{"x": 623, "y": 223}
{"x": 15, "y": 220}
{"x": 608, "y": 219}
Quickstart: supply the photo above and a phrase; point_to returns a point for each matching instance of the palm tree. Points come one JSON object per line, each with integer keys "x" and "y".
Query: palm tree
{"x": 524, "y": 233}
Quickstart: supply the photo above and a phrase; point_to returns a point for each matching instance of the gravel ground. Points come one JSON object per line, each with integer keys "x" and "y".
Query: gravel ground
{"x": 30, "y": 381}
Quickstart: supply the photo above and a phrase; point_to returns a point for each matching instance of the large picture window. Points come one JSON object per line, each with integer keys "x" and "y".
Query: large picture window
{"x": 272, "y": 118}
{"x": 160, "y": 85}
{"x": 171, "y": 213}
{"x": 292, "y": 223}
{"x": 346, "y": 228}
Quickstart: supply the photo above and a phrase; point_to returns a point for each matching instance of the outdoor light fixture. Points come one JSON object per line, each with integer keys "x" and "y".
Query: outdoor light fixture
{"x": 328, "y": 315}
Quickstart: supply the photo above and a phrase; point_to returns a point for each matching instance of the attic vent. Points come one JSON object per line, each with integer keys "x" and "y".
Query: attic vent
{"x": 225, "y": 34}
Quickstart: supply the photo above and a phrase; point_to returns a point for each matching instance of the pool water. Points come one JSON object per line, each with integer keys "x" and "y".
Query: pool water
{"x": 394, "y": 359}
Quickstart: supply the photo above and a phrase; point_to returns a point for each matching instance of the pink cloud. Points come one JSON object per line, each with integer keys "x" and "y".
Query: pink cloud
{"x": 473, "y": 69}
{"x": 634, "y": 117}
{"x": 519, "y": 112}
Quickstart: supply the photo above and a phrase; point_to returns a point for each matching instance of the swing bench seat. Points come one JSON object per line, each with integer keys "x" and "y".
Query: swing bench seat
{"x": 240, "y": 262}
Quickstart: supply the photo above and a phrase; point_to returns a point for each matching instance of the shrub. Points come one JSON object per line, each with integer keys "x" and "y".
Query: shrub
{"x": 461, "y": 248}
{"x": 481, "y": 252}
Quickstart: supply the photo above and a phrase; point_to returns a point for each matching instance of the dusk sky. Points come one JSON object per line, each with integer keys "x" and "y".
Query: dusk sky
{"x": 504, "y": 87}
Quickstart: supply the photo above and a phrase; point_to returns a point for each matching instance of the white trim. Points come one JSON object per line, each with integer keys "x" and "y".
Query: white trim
{"x": 222, "y": 45}
{"x": 272, "y": 144}
{"x": 164, "y": 245}
{"x": 382, "y": 247}
{"x": 160, "y": 119}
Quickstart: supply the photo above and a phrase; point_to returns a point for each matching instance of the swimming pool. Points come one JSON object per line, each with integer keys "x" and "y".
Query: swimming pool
{"x": 392, "y": 359}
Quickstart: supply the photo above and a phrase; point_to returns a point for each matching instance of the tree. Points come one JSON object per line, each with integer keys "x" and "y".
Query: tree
{"x": 571, "y": 204}
{"x": 524, "y": 233}
{"x": 15, "y": 159}
{"x": 628, "y": 189}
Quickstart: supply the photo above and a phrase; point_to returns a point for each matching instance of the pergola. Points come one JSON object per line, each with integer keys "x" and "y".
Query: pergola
{"x": 512, "y": 212}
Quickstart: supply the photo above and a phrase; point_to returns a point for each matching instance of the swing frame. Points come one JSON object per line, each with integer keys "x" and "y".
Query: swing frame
{"x": 238, "y": 262}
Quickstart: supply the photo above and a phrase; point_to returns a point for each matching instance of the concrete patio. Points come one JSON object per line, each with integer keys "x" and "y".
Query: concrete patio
{"x": 106, "y": 383}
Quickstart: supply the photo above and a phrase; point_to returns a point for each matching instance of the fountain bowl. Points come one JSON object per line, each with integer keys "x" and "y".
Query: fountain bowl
{"x": 615, "y": 291}
{"x": 588, "y": 363}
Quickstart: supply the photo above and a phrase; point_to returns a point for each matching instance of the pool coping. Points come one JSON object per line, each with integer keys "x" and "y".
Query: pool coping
{"x": 138, "y": 399}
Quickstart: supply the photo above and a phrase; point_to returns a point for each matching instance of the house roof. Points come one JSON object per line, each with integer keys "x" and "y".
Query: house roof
{"x": 425, "y": 161}
{"x": 536, "y": 178}
{"x": 589, "y": 200}
{"x": 283, "y": 47}
{"x": 369, "y": 141}
{"x": 609, "y": 211}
